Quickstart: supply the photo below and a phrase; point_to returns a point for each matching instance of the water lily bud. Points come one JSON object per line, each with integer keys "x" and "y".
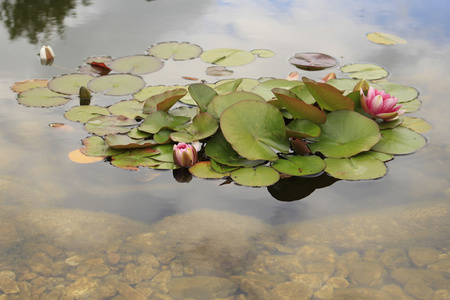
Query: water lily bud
{"x": 47, "y": 56}
{"x": 361, "y": 85}
{"x": 329, "y": 76}
{"x": 380, "y": 104}
{"x": 184, "y": 155}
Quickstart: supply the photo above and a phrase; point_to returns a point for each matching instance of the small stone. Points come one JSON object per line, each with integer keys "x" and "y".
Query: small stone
{"x": 98, "y": 271}
{"x": 166, "y": 257}
{"x": 317, "y": 253}
{"x": 278, "y": 248}
{"x": 113, "y": 258}
{"x": 423, "y": 256}
{"x": 176, "y": 267}
{"x": 290, "y": 290}
{"x": 324, "y": 268}
{"x": 337, "y": 282}
{"x": 129, "y": 292}
{"x": 432, "y": 278}
{"x": 419, "y": 289}
{"x": 131, "y": 276}
{"x": 201, "y": 287}
{"x": 442, "y": 265}
{"x": 443, "y": 294}
{"x": 8, "y": 282}
{"x": 394, "y": 258}
{"x": 326, "y": 292}
{"x": 149, "y": 260}
{"x": 366, "y": 274}
{"x": 74, "y": 260}
{"x": 284, "y": 265}
{"x": 145, "y": 288}
{"x": 82, "y": 288}
{"x": 351, "y": 256}
{"x": 162, "y": 277}
{"x": 53, "y": 251}
{"x": 372, "y": 255}
{"x": 145, "y": 272}
{"x": 311, "y": 280}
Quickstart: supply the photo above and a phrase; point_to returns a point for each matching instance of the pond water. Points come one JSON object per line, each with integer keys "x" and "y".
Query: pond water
{"x": 93, "y": 231}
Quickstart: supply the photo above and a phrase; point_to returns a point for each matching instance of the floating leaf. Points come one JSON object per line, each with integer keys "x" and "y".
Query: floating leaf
{"x": 128, "y": 108}
{"x": 346, "y": 133}
{"x": 359, "y": 167}
{"x": 327, "y": 96}
{"x": 116, "y": 84}
{"x": 159, "y": 120}
{"x": 220, "y": 150}
{"x": 135, "y": 133}
{"x": 85, "y": 112}
{"x": 365, "y": 71}
{"x": 220, "y": 168}
{"x": 163, "y": 136}
{"x": 135, "y": 158}
{"x": 380, "y": 156}
{"x": 299, "y": 165}
{"x": 136, "y": 64}
{"x": 227, "y": 57}
{"x": 218, "y": 71}
{"x": 399, "y": 140}
{"x": 348, "y": 84}
{"x": 41, "y": 97}
{"x": 302, "y": 129}
{"x": 299, "y": 109}
{"x": 165, "y": 153}
{"x": 263, "y": 53}
{"x": 221, "y": 102}
{"x": 69, "y": 84}
{"x": 203, "y": 125}
{"x": 385, "y": 38}
{"x": 202, "y": 94}
{"x": 402, "y": 92}
{"x": 253, "y": 128}
{"x": 417, "y": 124}
{"x": 264, "y": 89}
{"x": 179, "y": 51}
{"x": 411, "y": 106}
{"x": 203, "y": 170}
{"x": 96, "y": 146}
{"x": 163, "y": 101}
{"x": 185, "y": 111}
{"x": 104, "y": 125}
{"x": 312, "y": 61}
{"x": 26, "y": 85}
{"x": 233, "y": 85}
{"x": 259, "y": 176}
{"x": 120, "y": 141}
{"x": 78, "y": 157}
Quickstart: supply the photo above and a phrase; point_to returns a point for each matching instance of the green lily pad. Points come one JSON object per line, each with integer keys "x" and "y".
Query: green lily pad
{"x": 380, "y": 156}
{"x": 135, "y": 158}
{"x": 359, "y": 167}
{"x": 84, "y": 113}
{"x": 121, "y": 141}
{"x": 165, "y": 153}
{"x": 259, "y": 176}
{"x": 303, "y": 94}
{"x": 402, "y": 92}
{"x": 69, "y": 84}
{"x": 159, "y": 120}
{"x": 411, "y": 106}
{"x": 312, "y": 61}
{"x": 264, "y": 89}
{"x": 365, "y": 71}
{"x": 263, "y": 53}
{"x": 220, "y": 150}
{"x": 203, "y": 125}
{"x": 299, "y": 165}
{"x": 346, "y": 133}
{"x": 399, "y": 140}
{"x": 42, "y": 97}
{"x": 348, "y": 84}
{"x": 116, "y": 84}
{"x": 302, "y": 129}
{"x": 104, "y": 125}
{"x": 202, "y": 94}
{"x": 128, "y": 108}
{"x": 163, "y": 136}
{"x": 150, "y": 91}
{"x": 136, "y": 64}
{"x": 185, "y": 111}
{"x": 417, "y": 124}
{"x": 227, "y": 57}
{"x": 163, "y": 101}
{"x": 233, "y": 85}
{"x": 203, "y": 170}
{"x": 222, "y": 169}
{"x": 253, "y": 128}
{"x": 96, "y": 146}
{"x": 299, "y": 109}
{"x": 385, "y": 38}
{"x": 136, "y": 134}
{"x": 327, "y": 96}
{"x": 179, "y": 51}
{"x": 221, "y": 102}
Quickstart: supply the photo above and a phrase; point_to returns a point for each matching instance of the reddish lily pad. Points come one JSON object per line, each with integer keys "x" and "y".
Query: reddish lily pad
{"x": 104, "y": 125}
{"x": 312, "y": 61}
{"x": 116, "y": 84}
{"x": 42, "y": 97}
{"x": 136, "y": 64}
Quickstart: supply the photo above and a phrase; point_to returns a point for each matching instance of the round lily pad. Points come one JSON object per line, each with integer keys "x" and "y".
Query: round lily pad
{"x": 399, "y": 140}
{"x": 42, "y": 97}
{"x": 221, "y": 102}
{"x": 254, "y": 128}
{"x": 128, "y": 108}
{"x": 302, "y": 129}
{"x": 258, "y": 176}
{"x": 264, "y": 89}
{"x": 417, "y": 124}
{"x": 135, "y": 158}
{"x": 179, "y": 51}
{"x": 365, "y": 71}
{"x": 96, "y": 146}
{"x": 359, "y": 167}
{"x": 203, "y": 170}
{"x": 116, "y": 84}
{"x": 104, "y": 125}
{"x": 299, "y": 165}
{"x": 263, "y": 53}
{"x": 69, "y": 84}
{"x": 136, "y": 64}
{"x": 385, "y": 38}
{"x": 227, "y": 57}
{"x": 346, "y": 133}
{"x": 312, "y": 61}
{"x": 402, "y": 92}
{"x": 121, "y": 141}
{"x": 84, "y": 113}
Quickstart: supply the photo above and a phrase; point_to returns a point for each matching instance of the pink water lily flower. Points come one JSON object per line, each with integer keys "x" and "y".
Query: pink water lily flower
{"x": 184, "y": 155}
{"x": 380, "y": 104}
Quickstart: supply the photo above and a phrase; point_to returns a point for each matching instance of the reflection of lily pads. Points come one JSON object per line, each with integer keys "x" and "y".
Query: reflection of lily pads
{"x": 136, "y": 64}
{"x": 359, "y": 167}
{"x": 104, "y": 125}
{"x": 399, "y": 140}
{"x": 85, "y": 112}
{"x": 365, "y": 71}
{"x": 346, "y": 133}
{"x": 42, "y": 97}
{"x": 385, "y": 38}
{"x": 179, "y": 51}
{"x": 69, "y": 84}
{"x": 116, "y": 84}
{"x": 227, "y": 57}
{"x": 259, "y": 176}
{"x": 26, "y": 85}
{"x": 312, "y": 61}
{"x": 299, "y": 165}
{"x": 253, "y": 128}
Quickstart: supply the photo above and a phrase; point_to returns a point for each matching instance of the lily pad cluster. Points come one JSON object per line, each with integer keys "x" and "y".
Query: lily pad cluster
{"x": 251, "y": 131}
